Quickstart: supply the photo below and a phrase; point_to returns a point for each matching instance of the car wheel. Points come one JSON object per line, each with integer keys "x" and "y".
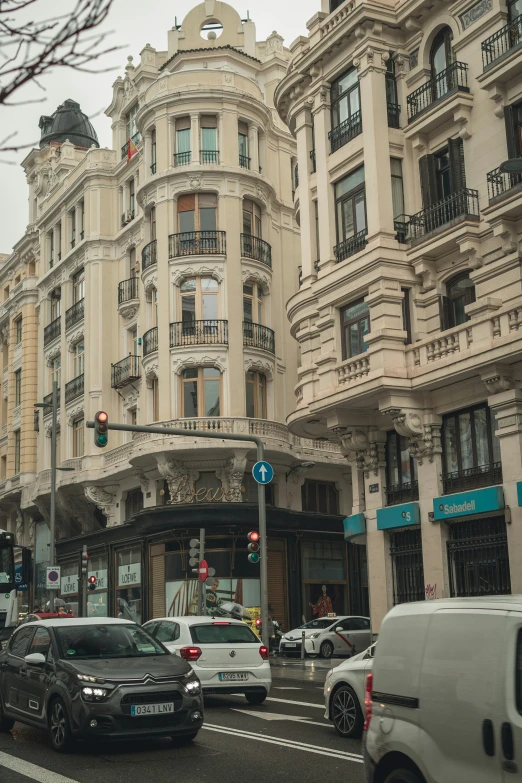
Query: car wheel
{"x": 59, "y": 727}
{"x": 346, "y": 712}
{"x": 255, "y": 698}
{"x": 326, "y": 650}
{"x": 404, "y": 776}
{"x": 6, "y": 724}
{"x": 184, "y": 739}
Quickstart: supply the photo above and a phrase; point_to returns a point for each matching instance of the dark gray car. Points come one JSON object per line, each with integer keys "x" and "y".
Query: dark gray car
{"x": 97, "y": 678}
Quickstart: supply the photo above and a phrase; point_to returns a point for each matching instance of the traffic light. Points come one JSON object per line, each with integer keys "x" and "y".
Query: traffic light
{"x": 101, "y": 427}
{"x": 259, "y": 624}
{"x": 85, "y": 560}
{"x": 195, "y": 555}
{"x": 93, "y": 582}
{"x": 253, "y": 547}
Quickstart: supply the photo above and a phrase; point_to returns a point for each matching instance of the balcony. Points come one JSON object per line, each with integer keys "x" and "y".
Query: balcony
{"x": 122, "y": 373}
{"x": 150, "y": 341}
{"x": 458, "y": 206}
{"x": 197, "y": 243}
{"x": 351, "y": 246}
{"x": 472, "y": 478}
{"x": 454, "y": 78}
{"x": 182, "y": 158}
{"x": 502, "y": 43}
{"x": 244, "y": 161}
{"x": 125, "y": 149}
{"x": 74, "y": 388}
{"x": 314, "y": 164}
{"x": 208, "y": 332}
{"x": 127, "y": 290}
{"x": 402, "y": 493}
{"x": 345, "y": 132}
{"x": 149, "y": 254}
{"x": 499, "y": 183}
{"x": 394, "y": 115}
{"x": 52, "y": 330}
{"x": 256, "y": 248}
{"x": 48, "y": 400}
{"x": 209, "y": 157}
{"x": 258, "y": 336}
{"x": 75, "y": 313}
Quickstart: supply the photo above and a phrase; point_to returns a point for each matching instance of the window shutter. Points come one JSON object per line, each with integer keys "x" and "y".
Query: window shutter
{"x": 444, "y": 312}
{"x": 207, "y": 200}
{"x": 242, "y": 127}
{"x": 428, "y": 180}
{"x": 183, "y": 123}
{"x": 208, "y": 121}
{"x": 187, "y": 203}
{"x": 457, "y": 168}
{"x": 511, "y": 135}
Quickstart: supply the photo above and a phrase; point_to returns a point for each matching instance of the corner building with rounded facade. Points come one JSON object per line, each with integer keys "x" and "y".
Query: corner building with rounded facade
{"x": 409, "y": 309}
{"x": 164, "y": 267}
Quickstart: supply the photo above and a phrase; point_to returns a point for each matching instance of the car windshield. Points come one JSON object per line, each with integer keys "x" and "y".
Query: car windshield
{"x": 106, "y": 641}
{"x": 324, "y": 622}
{"x": 219, "y": 633}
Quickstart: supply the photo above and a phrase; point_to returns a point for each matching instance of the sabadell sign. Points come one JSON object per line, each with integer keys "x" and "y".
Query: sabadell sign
{"x": 464, "y": 504}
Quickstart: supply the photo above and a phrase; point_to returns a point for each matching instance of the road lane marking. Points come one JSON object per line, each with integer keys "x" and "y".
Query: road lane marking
{"x": 278, "y": 716}
{"x": 321, "y": 751}
{"x": 301, "y": 703}
{"x": 32, "y": 771}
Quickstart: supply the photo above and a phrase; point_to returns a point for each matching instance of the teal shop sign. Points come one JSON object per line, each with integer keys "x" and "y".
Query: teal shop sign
{"x": 354, "y": 526}
{"x": 464, "y": 504}
{"x": 398, "y": 516}
{"x": 519, "y": 492}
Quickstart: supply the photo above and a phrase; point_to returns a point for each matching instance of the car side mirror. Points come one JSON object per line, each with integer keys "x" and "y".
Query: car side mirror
{"x": 339, "y": 629}
{"x": 35, "y": 659}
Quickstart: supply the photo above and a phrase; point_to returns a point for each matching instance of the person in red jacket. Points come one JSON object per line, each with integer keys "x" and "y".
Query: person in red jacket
{"x": 324, "y": 605}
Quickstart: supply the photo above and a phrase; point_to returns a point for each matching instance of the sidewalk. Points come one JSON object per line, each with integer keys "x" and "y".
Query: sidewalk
{"x": 301, "y": 671}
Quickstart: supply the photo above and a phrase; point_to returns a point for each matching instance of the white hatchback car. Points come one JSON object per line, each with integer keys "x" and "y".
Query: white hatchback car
{"x": 344, "y": 693}
{"x": 224, "y": 653}
{"x": 329, "y": 636}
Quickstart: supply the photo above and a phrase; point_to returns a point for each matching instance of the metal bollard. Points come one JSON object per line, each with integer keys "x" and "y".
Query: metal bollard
{"x": 303, "y": 635}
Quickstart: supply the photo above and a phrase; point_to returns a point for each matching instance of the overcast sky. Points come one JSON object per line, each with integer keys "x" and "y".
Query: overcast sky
{"x": 134, "y": 23}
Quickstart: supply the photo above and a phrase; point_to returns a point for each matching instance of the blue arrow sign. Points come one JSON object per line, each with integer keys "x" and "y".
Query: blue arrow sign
{"x": 263, "y": 472}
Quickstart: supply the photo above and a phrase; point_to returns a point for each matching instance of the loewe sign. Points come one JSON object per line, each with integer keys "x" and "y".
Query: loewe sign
{"x": 182, "y": 493}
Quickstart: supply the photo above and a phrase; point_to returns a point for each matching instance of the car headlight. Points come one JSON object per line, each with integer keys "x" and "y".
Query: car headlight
{"x": 193, "y": 687}
{"x": 329, "y": 675}
{"x": 314, "y": 635}
{"x": 94, "y": 694}
{"x": 88, "y": 678}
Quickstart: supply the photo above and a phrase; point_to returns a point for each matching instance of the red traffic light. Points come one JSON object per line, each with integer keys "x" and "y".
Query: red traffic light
{"x": 253, "y": 536}
{"x": 102, "y": 417}
{"x": 92, "y": 580}
{"x": 258, "y": 622}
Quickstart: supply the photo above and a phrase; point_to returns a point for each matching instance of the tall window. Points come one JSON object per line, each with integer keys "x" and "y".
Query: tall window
{"x": 317, "y": 242}
{"x": 320, "y": 496}
{"x": 397, "y": 187}
{"x": 79, "y": 359}
{"x": 443, "y": 174}
{"x": 199, "y": 299}
{"x": 251, "y": 493}
{"x": 133, "y": 340}
{"x": 78, "y": 282}
{"x": 155, "y": 399}
{"x": 514, "y": 9}
{"x": 460, "y": 291}
{"x": 401, "y": 470}
{"x": 17, "y": 450}
{"x": 132, "y": 197}
{"x": 78, "y": 437}
{"x": 72, "y": 219}
{"x": 209, "y": 148}
{"x": 441, "y": 56}
{"x": 18, "y": 331}
{"x": 82, "y": 219}
{"x": 153, "y": 151}
{"x": 51, "y": 248}
{"x": 350, "y": 203}
{"x": 513, "y": 119}
{"x": 134, "y": 267}
{"x": 183, "y": 153}
{"x": 131, "y": 125}
{"x": 56, "y": 371}
{"x": 346, "y": 101}
{"x": 355, "y": 325}
{"x": 18, "y": 387}
{"x": 59, "y": 248}
{"x": 252, "y": 303}
{"x": 201, "y": 391}
{"x": 406, "y": 317}
{"x": 242, "y": 137}
{"x": 392, "y": 99}
{"x": 251, "y": 218}
{"x": 470, "y": 447}
{"x": 56, "y": 304}
{"x": 197, "y": 212}
{"x": 133, "y": 502}
{"x": 255, "y": 395}
{"x": 153, "y": 224}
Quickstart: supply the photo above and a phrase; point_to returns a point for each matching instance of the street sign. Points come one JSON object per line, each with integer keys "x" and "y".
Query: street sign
{"x": 203, "y": 570}
{"x": 263, "y": 472}
{"x": 52, "y": 579}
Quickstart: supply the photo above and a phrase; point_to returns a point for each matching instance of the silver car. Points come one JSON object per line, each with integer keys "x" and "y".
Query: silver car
{"x": 328, "y": 636}
{"x": 344, "y": 693}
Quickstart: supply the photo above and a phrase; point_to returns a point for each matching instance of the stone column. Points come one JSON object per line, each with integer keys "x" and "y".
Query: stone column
{"x": 57, "y": 247}
{"x": 78, "y": 222}
{"x": 194, "y": 138}
{"x": 148, "y": 152}
{"x": 325, "y": 194}
{"x": 304, "y": 136}
{"x": 253, "y": 147}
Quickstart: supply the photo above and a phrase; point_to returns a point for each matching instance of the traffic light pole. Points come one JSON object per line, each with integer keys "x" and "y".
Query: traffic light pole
{"x": 84, "y": 583}
{"x": 202, "y": 587}
{"x": 52, "y": 520}
{"x": 260, "y": 494}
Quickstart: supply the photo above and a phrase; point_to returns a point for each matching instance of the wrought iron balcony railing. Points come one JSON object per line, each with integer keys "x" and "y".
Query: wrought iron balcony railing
{"x": 351, "y": 246}
{"x": 314, "y": 164}
{"x": 244, "y": 161}
{"x": 208, "y": 332}
{"x": 461, "y": 204}
{"x": 52, "y": 330}
{"x": 48, "y": 400}
{"x": 296, "y": 176}
{"x": 182, "y": 158}
{"x": 501, "y": 42}
{"x": 209, "y": 156}
{"x": 149, "y": 254}
{"x": 394, "y": 115}
{"x": 125, "y": 149}
{"x": 150, "y": 341}
{"x": 75, "y": 313}
{"x": 258, "y": 336}
{"x": 74, "y": 388}
{"x": 402, "y": 493}
{"x": 452, "y": 78}
{"x": 345, "y": 132}
{"x": 127, "y": 290}
{"x": 197, "y": 243}
{"x": 499, "y": 183}
{"x": 256, "y": 248}
{"x": 125, "y": 371}
{"x": 471, "y": 478}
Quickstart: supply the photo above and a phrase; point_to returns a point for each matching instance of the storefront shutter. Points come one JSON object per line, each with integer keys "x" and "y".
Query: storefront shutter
{"x": 187, "y": 203}
{"x": 428, "y": 180}
{"x": 457, "y": 168}
{"x": 511, "y": 134}
{"x": 277, "y": 587}
{"x": 157, "y": 583}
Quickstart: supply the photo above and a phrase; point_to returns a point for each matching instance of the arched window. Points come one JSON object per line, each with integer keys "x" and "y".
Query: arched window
{"x": 255, "y": 383}
{"x": 441, "y": 57}
{"x": 460, "y": 292}
{"x": 252, "y": 302}
{"x": 200, "y": 392}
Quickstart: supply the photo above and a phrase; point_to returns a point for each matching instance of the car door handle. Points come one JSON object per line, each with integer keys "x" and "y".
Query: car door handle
{"x": 488, "y": 738}
{"x": 23, "y": 671}
{"x": 508, "y": 746}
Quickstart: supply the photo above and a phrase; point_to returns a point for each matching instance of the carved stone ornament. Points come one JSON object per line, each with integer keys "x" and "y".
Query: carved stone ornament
{"x": 74, "y": 339}
{"x": 266, "y": 368}
{"x": 497, "y": 379}
{"x": 19, "y": 528}
{"x": 423, "y": 437}
{"x": 180, "y": 479}
{"x": 150, "y": 283}
{"x": 104, "y": 498}
{"x": 128, "y": 311}
{"x": 195, "y": 182}
{"x": 75, "y": 413}
{"x": 49, "y": 426}
{"x": 233, "y": 475}
{"x": 144, "y": 481}
{"x": 361, "y": 449}
{"x": 53, "y": 354}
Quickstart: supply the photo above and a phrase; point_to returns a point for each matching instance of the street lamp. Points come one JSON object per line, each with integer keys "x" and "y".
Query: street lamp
{"x": 305, "y": 465}
{"x": 511, "y": 166}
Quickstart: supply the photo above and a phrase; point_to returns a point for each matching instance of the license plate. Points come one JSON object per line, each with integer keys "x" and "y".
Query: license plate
{"x": 290, "y": 644}
{"x": 233, "y": 676}
{"x": 151, "y": 709}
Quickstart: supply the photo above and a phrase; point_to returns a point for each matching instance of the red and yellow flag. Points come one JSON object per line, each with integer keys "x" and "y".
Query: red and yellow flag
{"x": 131, "y": 149}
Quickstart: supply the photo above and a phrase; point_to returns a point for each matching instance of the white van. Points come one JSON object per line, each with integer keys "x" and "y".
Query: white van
{"x": 445, "y": 693}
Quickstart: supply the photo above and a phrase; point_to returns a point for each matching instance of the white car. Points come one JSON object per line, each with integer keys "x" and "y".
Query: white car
{"x": 329, "y": 636}
{"x": 224, "y": 653}
{"x": 344, "y": 693}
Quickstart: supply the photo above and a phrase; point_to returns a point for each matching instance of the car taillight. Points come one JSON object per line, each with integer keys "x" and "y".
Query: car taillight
{"x": 263, "y": 652}
{"x": 190, "y": 653}
{"x": 368, "y": 700}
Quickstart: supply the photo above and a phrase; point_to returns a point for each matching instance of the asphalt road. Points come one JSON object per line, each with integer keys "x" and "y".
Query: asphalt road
{"x": 285, "y": 739}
